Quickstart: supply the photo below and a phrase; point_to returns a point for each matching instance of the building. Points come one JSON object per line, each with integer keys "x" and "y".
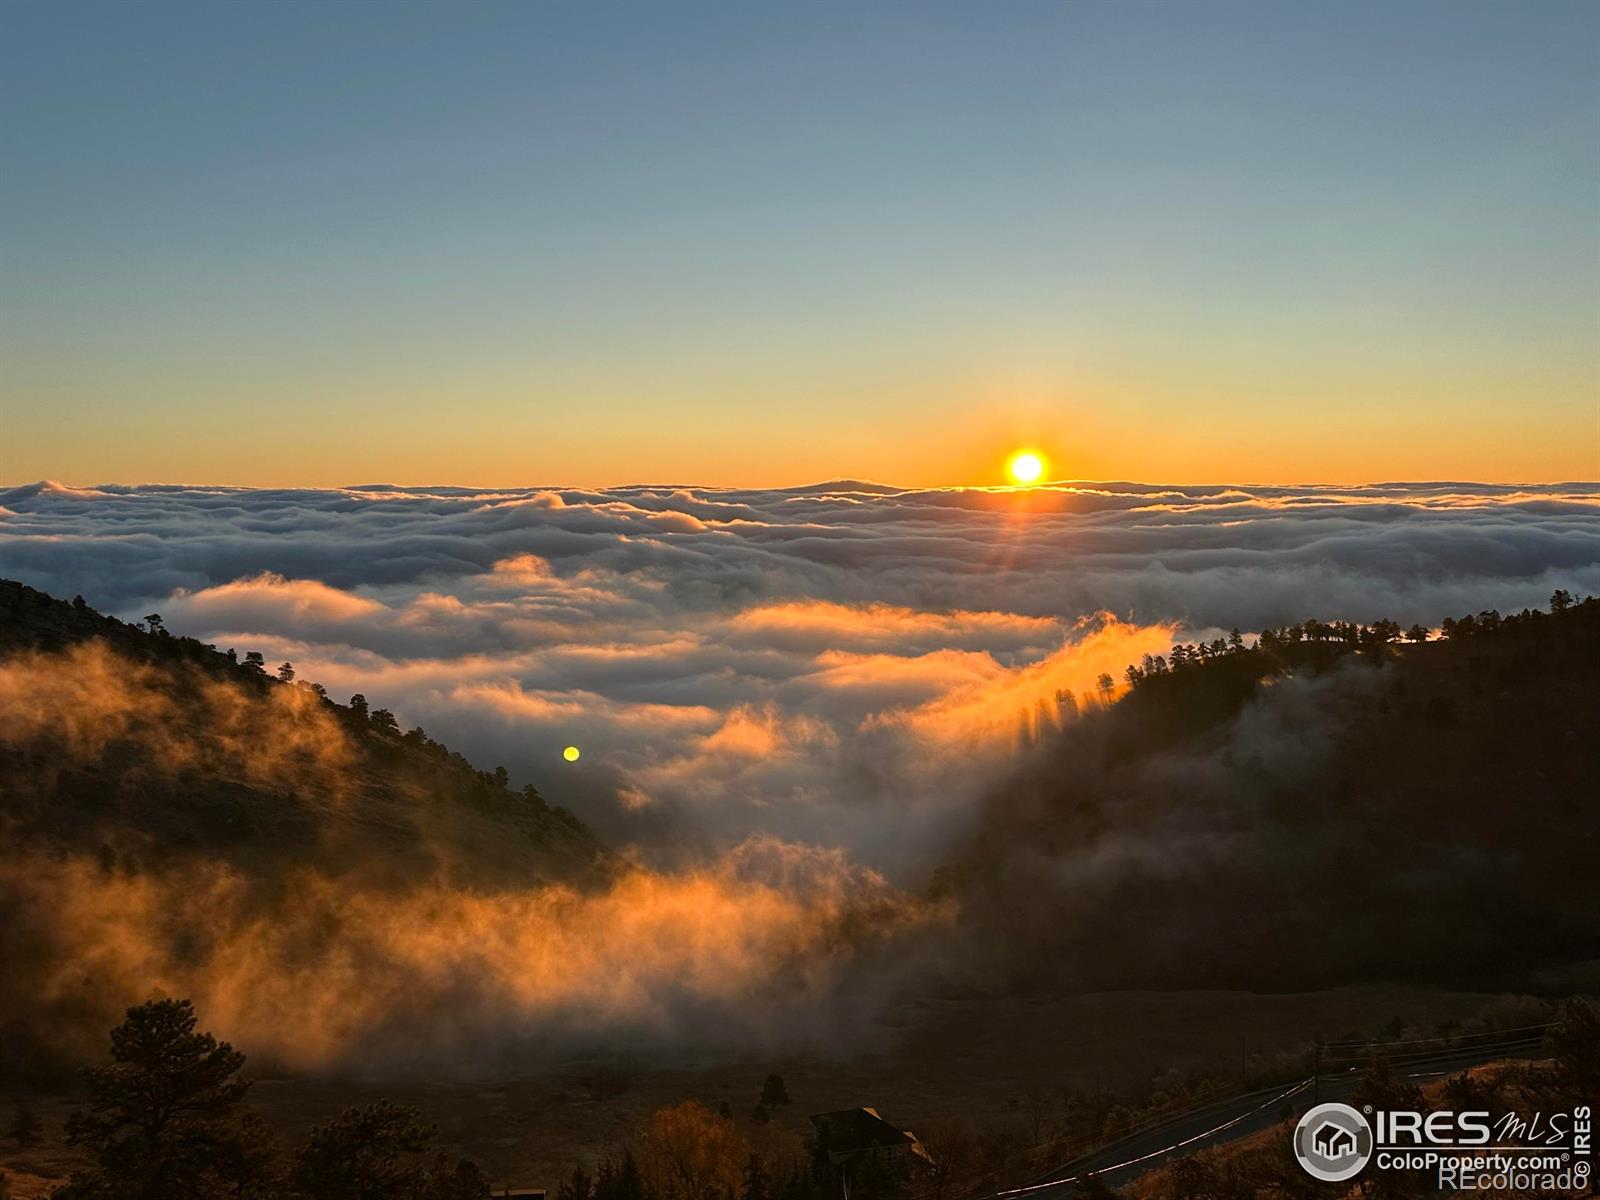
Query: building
{"x": 852, "y": 1133}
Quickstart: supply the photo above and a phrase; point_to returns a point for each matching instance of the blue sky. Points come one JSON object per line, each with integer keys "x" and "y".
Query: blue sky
{"x": 288, "y": 243}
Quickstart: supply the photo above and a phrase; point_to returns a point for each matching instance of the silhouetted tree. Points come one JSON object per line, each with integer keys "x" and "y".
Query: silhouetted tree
{"x": 163, "y": 1119}
{"x": 577, "y": 1186}
{"x": 951, "y": 1146}
{"x": 153, "y": 623}
{"x": 1380, "y": 1089}
{"x": 620, "y": 1180}
{"x": 1106, "y": 684}
{"x": 381, "y": 1152}
{"x": 255, "y": 663}
{"x": 25, "y": 1128}
{"x": 1191, "y": 1178}
{"x": 1560, "y": 600}
{"x": 773, "y": 1092}
{"x": 801, "y": 1184}
{"x": 286, "y": 673}
{"x": 383, "y": 721}
{"x": 1574, "y": 1045}
{"x": 358, "y": 705}
{"x": 452, "y": 1179}
{"x": 877, "y": 1177}
{"x": 1036, "y": 1106}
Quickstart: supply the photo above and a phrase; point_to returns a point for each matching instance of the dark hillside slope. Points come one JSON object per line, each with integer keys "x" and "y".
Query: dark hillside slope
{"x": 171, "y": 818}
{"x": 1310, "y": 812}
{"x": 141, "y": 746}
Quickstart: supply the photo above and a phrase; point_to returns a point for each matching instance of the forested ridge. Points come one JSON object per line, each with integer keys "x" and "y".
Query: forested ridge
{"x": 1330, "y": 802}
{"x": 140, "y": 743}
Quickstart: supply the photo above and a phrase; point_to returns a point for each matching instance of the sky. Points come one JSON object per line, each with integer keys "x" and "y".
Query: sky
{"x": 751, "y": 246}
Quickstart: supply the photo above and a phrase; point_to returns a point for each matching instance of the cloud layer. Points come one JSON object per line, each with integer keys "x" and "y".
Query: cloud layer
{"x": 843, "y": 664}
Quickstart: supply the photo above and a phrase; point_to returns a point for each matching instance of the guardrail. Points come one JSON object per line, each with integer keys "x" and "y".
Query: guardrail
{"x": 1223, "y": 1127}
{"x": 1329, "y": 1060}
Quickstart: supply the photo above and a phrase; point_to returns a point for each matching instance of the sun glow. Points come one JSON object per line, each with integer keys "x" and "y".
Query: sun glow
{"x": 1025, "y": 467}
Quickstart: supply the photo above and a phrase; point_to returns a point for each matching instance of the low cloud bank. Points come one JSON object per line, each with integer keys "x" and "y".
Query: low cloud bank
{"x": 771, "y": 944}
{"x": 841, "y": 665}
{"x": 329, "y": 912}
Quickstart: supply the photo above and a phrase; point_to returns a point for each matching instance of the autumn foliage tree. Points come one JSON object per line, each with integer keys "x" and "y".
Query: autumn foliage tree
{"x": 691, "y": 1153}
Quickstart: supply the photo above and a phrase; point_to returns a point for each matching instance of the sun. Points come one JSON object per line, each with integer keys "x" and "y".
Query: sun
{"x": 1025, "y": 467}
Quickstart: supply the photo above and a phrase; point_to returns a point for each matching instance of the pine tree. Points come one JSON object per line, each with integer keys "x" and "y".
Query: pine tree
{"x": 163, "y": 1118}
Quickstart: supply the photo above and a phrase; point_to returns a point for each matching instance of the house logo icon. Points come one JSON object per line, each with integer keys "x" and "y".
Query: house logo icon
{"x": 1333, "y": 1142}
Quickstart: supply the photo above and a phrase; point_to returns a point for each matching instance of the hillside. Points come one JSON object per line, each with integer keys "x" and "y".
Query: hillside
{"x": 1332, "y": 804}
{"x": 170, "y": 815}
{"x": 142, "y": 745}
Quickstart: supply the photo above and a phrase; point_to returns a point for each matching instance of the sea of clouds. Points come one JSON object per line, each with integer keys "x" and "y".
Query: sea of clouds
{"x": 840, "y": 665}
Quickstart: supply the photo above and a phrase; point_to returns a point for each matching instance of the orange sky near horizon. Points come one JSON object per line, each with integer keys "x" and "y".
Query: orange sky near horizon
{"x": 950, "y": 446}
{"x": 757, "y": 247}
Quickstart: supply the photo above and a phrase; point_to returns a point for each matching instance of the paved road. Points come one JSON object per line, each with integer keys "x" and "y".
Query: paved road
{"x": 1227, "y": 1120}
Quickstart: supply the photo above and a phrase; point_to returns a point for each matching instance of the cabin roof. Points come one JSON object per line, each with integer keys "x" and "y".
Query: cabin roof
{"x": 852, "y": 1130}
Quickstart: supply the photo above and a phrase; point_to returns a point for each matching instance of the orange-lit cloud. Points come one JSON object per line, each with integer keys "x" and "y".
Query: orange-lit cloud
{"x": 751, "y": 949}
{"x": 838, "y": 664}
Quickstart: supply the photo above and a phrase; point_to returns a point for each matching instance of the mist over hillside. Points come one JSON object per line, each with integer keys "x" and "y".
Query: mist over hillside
{"x": 1338, "y": 806}
{"x": 143, "y": 747}
{"x": 342, "y": 894}
{"x": 1333, "y": 806}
